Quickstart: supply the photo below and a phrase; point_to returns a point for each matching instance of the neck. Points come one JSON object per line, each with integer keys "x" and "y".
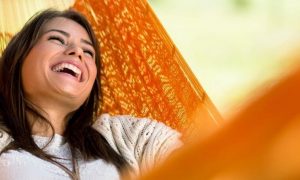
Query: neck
{"x": 56, "y": 117}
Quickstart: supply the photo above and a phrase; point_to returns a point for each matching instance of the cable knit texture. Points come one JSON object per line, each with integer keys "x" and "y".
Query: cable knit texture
{"x": 141, "y": 141}
{"x": 5, "y": 139}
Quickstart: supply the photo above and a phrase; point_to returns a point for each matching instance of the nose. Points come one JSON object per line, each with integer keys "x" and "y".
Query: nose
{"x": 74, "y": 50}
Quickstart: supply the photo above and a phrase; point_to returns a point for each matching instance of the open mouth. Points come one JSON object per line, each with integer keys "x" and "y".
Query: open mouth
{"x": 68, "y": 69}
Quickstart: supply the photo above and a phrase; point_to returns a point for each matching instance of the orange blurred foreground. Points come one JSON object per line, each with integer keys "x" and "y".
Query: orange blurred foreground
{"x": 261, "y": 142}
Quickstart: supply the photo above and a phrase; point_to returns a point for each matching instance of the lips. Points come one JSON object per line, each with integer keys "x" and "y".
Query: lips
{"x": 68, "y": 68}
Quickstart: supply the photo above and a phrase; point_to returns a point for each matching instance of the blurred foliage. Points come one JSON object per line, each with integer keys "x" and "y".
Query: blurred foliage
{"x": 232, "y": 53}
{"x": 241, "y": 4}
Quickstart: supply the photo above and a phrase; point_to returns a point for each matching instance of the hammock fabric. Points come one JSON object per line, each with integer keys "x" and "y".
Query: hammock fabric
{"x": 143, "y": 73}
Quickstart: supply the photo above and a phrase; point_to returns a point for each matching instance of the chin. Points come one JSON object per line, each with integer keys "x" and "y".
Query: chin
{"x": 73, "y": 103}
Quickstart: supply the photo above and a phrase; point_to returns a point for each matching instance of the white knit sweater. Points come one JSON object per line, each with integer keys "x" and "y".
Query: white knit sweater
{"x": 141, "y": 141}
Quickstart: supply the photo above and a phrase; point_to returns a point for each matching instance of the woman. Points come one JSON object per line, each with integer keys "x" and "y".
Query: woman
{"x": 50, "y": 94}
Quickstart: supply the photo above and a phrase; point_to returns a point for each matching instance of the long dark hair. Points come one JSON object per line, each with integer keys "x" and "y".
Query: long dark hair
{"x": 13, "y": 105}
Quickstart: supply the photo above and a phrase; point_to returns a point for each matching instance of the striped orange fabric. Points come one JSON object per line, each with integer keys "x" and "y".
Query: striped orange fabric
{"x": 143, "y": 73}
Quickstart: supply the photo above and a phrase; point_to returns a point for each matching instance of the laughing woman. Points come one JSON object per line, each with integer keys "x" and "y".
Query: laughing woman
{"x": 50, "y": 92}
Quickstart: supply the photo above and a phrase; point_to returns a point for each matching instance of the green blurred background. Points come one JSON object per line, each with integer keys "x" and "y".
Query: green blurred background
{"x": 234, "y": 47}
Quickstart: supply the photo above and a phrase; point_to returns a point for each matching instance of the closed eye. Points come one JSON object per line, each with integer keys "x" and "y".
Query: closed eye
{"x": 57, "y": 39}
{"x": 90, "y": 53}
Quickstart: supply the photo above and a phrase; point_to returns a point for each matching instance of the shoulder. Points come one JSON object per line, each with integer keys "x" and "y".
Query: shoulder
{"x": 5, "y": 139}
{"x": 130, "y": 125}
{"x": 132, "y": 128}
{"x": 141, "y": 141}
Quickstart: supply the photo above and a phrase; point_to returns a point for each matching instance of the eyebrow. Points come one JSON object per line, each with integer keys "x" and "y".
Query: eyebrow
{"x": 68, "y": 35}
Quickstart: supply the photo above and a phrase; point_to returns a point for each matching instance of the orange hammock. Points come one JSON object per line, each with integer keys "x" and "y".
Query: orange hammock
{"x": 143, "y": 73}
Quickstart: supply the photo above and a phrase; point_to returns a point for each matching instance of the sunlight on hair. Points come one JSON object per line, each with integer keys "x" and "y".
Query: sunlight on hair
{"x": 14, "y": 13}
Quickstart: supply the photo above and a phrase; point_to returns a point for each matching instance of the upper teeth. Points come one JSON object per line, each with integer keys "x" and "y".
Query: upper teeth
{"x": 61, "y": 66}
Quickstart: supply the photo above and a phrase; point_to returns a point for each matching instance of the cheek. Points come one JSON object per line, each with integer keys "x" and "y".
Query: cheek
{"x": 31, "y": 78}
{"x": 93, "y": 70}
{"x": 33, "y": 70}
{"x": 32, "y": 63}
{"x": 28, "y": 68}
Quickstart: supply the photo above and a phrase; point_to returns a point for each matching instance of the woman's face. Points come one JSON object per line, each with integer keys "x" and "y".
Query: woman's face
{"x": 60, "y": 67}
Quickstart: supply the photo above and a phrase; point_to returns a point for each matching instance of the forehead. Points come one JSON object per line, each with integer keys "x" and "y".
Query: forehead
{"x": 67, "y": 25}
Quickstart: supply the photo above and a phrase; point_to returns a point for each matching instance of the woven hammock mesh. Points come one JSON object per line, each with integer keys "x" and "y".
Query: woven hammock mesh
{"x": 143, "y": 73}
